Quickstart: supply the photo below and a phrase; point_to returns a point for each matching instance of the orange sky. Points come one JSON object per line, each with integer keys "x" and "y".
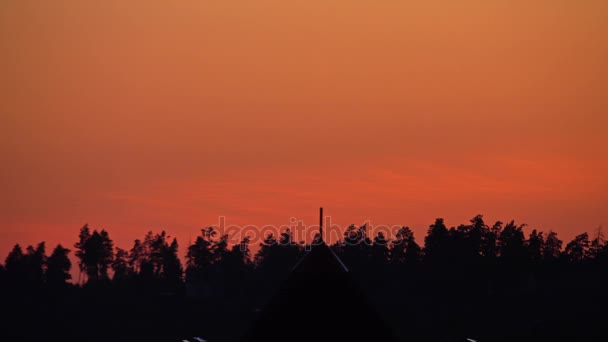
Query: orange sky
{"x": 149, "y": 114}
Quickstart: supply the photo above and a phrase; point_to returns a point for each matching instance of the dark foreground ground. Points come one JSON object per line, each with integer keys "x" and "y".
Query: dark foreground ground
{"x": 569, "y": 305}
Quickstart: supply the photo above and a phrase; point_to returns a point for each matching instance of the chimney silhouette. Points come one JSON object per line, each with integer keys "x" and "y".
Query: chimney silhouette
{"x": 321, "y": 224}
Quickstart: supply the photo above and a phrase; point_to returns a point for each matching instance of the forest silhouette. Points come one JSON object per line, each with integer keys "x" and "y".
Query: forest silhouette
{"x": 477, "y": 281}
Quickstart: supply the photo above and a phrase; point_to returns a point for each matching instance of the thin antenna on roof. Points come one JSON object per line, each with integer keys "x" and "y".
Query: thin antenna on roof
{"x": 321, "y": 224}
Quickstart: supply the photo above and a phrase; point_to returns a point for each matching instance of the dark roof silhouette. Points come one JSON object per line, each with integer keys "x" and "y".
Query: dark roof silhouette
{"x": 319, "y": 301}
{"x": 320, "y": 259}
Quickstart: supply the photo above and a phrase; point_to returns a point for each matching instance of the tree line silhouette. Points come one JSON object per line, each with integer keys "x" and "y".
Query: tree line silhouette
{"x": 488, "y": 282}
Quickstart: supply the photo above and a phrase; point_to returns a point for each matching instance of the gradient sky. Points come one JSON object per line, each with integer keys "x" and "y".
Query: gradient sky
{"x": 137, "y": 115}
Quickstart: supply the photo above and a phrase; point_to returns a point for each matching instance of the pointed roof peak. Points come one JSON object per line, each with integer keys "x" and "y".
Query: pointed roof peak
{"x": 320, "y": 259}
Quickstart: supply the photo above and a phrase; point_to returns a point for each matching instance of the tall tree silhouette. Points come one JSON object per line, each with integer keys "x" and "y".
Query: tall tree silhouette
{"x": 16, "y": 269}
{"x": 355, "y": 249}
{"x": 155, "y": 261}
{"x": 267, "y": 263}
{"x": 289, "y": 249}
{"x": 436, "y": 242}
{"x": 578, "y": 250}
{"x": 490, "y": 246}
{"x": 83, "y": 236}
{"x": 58, "y": 267}
{"x": 380, "y": 250}
{"x": 96, "y": 254}
{"x": 200, "y": 254}
{"x": 264, "y": 254}
{"x": 225, "y": 268}
{"x": 379, "y": 259}
{"x": 220, "y": 249}
{"x": 597, "y": 246}
{"x": 536, "y": 246}
{"x": 404, "y": 248}
{"x": 35, "y": 261}
{"x": 173, "y": 270}
{"x": 159, "y": 251}
{"x": 274, "y": 260}
{"x": 137, "y": 256}
{"x": 459, "y": 249}
{"x": 553, "y": 247}
{"x": 120, "y": 265}
{"x": 478, "y": 233}
{"x": 156, "y": 246}
{"x": 240, "y": 253}
{"x": 239, "y": 266}
{"x": 511, "y": 243}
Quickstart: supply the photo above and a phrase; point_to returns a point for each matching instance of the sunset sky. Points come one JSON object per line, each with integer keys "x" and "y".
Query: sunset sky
{"x": 137, "y": 115}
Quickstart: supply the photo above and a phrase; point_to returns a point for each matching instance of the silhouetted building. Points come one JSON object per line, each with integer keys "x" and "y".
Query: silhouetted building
{"x": 319, "y": 301}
